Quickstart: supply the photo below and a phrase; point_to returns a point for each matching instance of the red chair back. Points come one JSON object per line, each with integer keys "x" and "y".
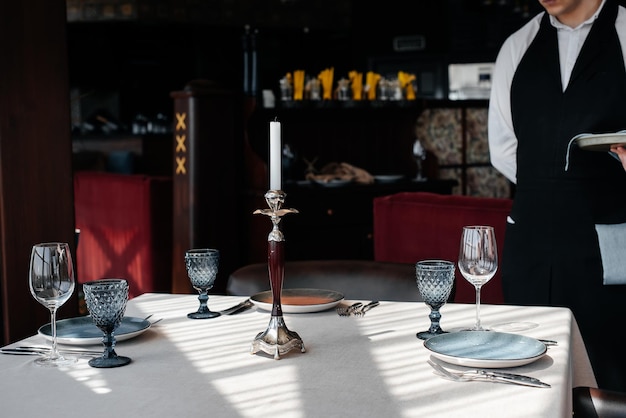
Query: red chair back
{"x": 413, "y": 226}
{"x": 125, "y": 224}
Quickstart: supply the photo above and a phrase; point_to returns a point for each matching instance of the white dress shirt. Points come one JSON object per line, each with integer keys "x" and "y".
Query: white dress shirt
{"x": 502, "y": 140}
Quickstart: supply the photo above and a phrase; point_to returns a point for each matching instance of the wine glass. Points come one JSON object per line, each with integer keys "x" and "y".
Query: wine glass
{"x": 202, "y": 265}
{"x": 106, "y": 301}
{"x": 51, "y": 282}
{"x": 435, "y": 279}
{"x": 478, "y": 260}
{"x": 419, "y": 155}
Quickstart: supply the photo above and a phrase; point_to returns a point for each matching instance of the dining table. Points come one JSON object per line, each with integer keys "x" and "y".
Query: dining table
{"x": 368, "y": 366}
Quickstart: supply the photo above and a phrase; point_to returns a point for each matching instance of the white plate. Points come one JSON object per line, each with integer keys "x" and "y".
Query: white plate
{"x": 299, "y": 300}
{"x": 82, "y": 331}
{"x": 487, "y": 349}
{"x": 601, "y": 142}
{"x": 388, "y": 178}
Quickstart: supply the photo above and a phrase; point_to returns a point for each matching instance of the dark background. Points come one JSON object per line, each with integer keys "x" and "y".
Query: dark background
{"x": 130, "y": 65}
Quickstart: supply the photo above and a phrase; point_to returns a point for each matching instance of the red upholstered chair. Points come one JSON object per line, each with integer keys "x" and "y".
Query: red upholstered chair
{"x": 414, "y": 226}
{"x": 125, "y": 224}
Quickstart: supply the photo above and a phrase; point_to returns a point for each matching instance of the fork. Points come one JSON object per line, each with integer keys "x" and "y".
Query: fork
{"x": 485, "y": 376}
{"x": 457, "y": 377}
{"x": 361, "y": 310}
{"x": 348, "y": 310}
{"x": 240, "y": 307}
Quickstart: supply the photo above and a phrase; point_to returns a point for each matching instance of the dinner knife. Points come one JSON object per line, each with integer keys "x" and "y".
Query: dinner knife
{"x": 513, "y": 378}
{"x": 43, "y": 350}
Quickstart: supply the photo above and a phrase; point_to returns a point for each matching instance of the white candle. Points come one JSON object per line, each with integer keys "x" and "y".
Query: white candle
{"x": 275, "y": 157}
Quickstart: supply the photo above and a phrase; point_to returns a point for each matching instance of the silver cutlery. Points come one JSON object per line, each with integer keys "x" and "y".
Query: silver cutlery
{"x": 348, "y": 310}
{"x": 26, "y": 350}
{"x": 240, "y": 307}
{"x": 361, "y": 311}
{"x": 488, "y": 376}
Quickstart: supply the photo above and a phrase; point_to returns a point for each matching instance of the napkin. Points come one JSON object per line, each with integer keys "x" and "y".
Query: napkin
{"x": 356, "y": 80}
{"x": 326, "y": 78}
{"x": 406, "y": 84}
{"x": 612, "y": 240}
{"x": 298, "y": 84}
{"x": 371, "y": 82}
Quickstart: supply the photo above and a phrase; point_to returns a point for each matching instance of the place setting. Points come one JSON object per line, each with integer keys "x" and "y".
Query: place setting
{"x": 476, "y": 346}
{"x": 51, "y": 283}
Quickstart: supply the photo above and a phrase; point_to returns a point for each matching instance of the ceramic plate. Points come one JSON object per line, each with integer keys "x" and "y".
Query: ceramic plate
{"x": 333, "y": 183}
{"x": 388, "y": 178}
{"x": 601, "y": 142}
{"x": 300, "y": 300}
{"x": 82, "y": 331}
{"x": 487, "y": 349}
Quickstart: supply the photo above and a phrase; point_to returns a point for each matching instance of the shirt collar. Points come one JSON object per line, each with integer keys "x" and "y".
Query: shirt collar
{"x": 554, "y": 21}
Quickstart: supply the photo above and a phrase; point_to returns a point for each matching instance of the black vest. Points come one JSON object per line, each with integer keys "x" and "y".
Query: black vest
{"x": 545, "y": 117}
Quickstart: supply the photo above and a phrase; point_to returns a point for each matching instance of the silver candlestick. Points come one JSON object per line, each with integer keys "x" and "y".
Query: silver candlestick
{"x": 277, "y": 339}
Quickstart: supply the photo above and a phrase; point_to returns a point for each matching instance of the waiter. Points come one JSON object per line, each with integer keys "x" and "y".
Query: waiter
{"x": 560, "y": 75}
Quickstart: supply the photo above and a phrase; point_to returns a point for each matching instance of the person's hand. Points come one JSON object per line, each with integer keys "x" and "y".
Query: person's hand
{"x": 620, "y": 151}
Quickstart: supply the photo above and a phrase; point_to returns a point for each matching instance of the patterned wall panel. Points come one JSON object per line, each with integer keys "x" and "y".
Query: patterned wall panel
{"x": 458, "y": 138}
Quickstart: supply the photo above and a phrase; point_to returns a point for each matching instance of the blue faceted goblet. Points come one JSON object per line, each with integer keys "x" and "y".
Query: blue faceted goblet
{"x": 202, "y": 265}
{"x": 435, "y": 279}
{"x": 106, "y": 301}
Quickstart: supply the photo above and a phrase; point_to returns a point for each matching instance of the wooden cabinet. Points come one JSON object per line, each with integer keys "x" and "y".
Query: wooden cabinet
{"x": 335, "y": 222}
{"x": 377, "y": 137}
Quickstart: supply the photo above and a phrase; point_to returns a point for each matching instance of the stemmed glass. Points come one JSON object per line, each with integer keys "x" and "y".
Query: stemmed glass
{"x": 419, "y": 155}
{"x": 51, "y": 282}
{"x": 106, "y": 301}
{"x": 202, "y": 266}
{"x": 435, "y": 279}
{"x": 478, "y": 260}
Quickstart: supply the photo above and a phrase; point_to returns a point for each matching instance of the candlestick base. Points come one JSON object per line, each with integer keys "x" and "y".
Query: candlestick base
{"x": 277, "y": 340}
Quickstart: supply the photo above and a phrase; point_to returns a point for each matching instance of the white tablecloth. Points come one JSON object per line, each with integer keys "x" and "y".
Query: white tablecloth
{"x": 353, "y": 367}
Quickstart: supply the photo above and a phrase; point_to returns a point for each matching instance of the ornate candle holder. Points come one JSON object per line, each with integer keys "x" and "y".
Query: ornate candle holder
{"x": 277, "y": 339}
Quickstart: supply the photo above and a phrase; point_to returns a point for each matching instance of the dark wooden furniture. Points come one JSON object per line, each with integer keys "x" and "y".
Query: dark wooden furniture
{"x": 35, "y": 163}
{"x": 337, "y": 222}
{"x": 207, "y": 150}
{"x": 334, "y": 222}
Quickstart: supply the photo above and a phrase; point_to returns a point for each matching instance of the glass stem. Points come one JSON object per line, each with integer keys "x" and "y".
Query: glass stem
{"x": 435, "y": 318}
{"x": 478, "y": 325}
{"x": 54, "y": 353}
{"x": 203, "y": 297}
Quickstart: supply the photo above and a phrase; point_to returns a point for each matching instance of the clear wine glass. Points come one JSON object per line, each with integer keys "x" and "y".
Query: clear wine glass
{"x": 202, "y": 266}
{"x": 435, "y": 279}
{"x": 106, "y": 301}
{"x": 51, "y": 282}
{"x": 419, "y": 155}
{"x": 478, "y": 260}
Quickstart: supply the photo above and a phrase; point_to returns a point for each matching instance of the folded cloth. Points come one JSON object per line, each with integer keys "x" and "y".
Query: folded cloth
{"x": 612, "y": 240}
{"x": 341, "y": 171}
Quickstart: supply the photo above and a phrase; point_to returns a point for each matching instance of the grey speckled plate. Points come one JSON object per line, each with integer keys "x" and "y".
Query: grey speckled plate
{"x": 82, "y": 331}
{"x": 488, "y": 349}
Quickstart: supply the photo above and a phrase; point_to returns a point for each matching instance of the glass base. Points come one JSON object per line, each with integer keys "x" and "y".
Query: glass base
{"x": 424, "y": 335}
{"x": 203, "y": 315}
{"x": 55, "y": 362}
{"x": 475, "y": 328}
{"x": 102, "y": 362}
